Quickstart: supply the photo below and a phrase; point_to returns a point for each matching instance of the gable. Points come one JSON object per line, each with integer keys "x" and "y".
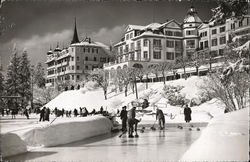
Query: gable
{"x": 172, "y": 24}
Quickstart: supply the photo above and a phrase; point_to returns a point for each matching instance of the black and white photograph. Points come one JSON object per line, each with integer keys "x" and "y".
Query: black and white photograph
{"x": 124, "y": 80}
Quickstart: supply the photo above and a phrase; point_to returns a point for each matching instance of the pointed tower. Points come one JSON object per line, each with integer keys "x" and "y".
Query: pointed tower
{"x": 75, "y": 36}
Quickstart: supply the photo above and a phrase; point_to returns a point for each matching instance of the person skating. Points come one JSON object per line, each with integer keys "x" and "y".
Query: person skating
{"x": 42, "y": 112}
{"x": 161, "y": 118}
{"x": 187, "y": 113}
{"x": 131, "y": 122}
{"x": 124, "y": 117}
{"x": 26, "y": 113}
{"x": 47, "y": 113}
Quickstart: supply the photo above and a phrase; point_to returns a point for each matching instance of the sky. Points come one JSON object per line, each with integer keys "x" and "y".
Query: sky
{"x": 35, "y": 26}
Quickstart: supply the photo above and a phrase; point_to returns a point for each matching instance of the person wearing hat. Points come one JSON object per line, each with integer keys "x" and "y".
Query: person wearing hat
{"x": 124, "y": 117}
{"x": 161, "y": 118}
{"x": 187, "y": 113}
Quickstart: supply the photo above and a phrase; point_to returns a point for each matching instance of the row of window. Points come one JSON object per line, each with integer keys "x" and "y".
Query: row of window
{"x": 87, "y": 49}
{"x": 169, "y": 55}
{"x": 173, "y": 33}
{"x": 191, "y": 32}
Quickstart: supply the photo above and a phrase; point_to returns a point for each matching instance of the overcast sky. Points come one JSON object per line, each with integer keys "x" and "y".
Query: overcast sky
{"x": 34, "y": 26}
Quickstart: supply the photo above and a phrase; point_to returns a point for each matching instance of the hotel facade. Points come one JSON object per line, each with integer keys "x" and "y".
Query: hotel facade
{"x": 142, "y": 46}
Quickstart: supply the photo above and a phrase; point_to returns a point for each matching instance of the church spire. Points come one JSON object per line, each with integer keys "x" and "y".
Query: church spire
{"x": 75, "y": 36}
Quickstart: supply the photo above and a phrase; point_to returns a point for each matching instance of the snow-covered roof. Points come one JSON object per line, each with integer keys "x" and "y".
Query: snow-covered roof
{"x": 95, "y": 44}
{"x": 134, "y": 27}
{"x": 152, "y": 26}
{"x": 243, "y": 47}
{"x": 168, "y": 22}
{"x": 192, "y": 19}
{"x": 149, "y": 33}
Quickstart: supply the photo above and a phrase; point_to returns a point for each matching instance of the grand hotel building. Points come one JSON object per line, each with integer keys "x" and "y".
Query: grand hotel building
{"x": 142, "y": 46}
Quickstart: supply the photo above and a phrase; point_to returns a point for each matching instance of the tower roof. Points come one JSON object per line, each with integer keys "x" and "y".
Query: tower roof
{"x": 192, "y": 16}
{"x": 57, "y": 49}
{"x": 75, "y": 36}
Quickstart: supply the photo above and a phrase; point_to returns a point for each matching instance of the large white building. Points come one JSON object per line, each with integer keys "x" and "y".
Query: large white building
{"x": 78, "y": 59}
{"x": 142, "y": 46}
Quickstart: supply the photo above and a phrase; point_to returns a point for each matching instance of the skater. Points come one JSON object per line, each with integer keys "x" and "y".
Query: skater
{"x": 101, "y": 110}
{"x": 187, "y": 113}
{"x": 75, "y": 113}
{"x": 56, "y": 111}
{"x": 131, "y": 122}
{"x": 63, "y": 112}
{"x": 161, "y": 118}
{"x": 42, "y": 112}
{"x": 26, "y": 113}
{"x": 47, "y": 113}
{"x": 124, "y": 118}
{"x": 93, "y": 112}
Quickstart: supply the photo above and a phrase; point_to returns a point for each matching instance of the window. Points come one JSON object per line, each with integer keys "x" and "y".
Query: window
{"x": 145, "y": 54}
{"x": 213, "y": 53}
{"x": 190, "y": 32}
{"x": 97, "y": 50}
{"x": 169, "y": 33}
{"x": 221, "y": 52}
{"x": 77, "y": 77}
{"x": 86, "y": 67}
{"x": 127, "y": 37}
{"x": 178, "y": 55}
{"x": 72, "y": 58}
{"x": 157, "y": 42}
{"x": 72, "y": 49}
{"x": 247, "y": 21}
{"x": 206, "y": 44}
{"x": 233, "y": 26}
{"x": 88, "y": 50}
{"x": 201, "y": 45}
{"x": 93, "y": 50}
{"x": 170, "y": 55}
{"x": 157, "y": 55}
{"x": 190, "y": 44}
{"x": 132, "y": 46}
{"x": 94, "y": 58}
{"x": 179, "y": 34}
{"x": 138, "y": 43}
{"x": 178, "y": 44}
{"x": 222, "y": 40}
{"x": 126, "y": 48}
{"x": 73, "y": 77}
{"x": 84, "y": 50}
{"x": 240, "y": 23}
{"x": 77, "y": 58}
{"x": 131, "y": 35}
{"x": 145, "y": 42}
{"x": 170, "y": 44}
{"x": 86, "y": 58}
{"x": 214, "y": 31}
{"x": 214, "y": 42}
{"x": 222, "y": 29}
{"x": 77, "y": 67}
{"x": 121, "y": 50}
{"x": 73, "y": 67}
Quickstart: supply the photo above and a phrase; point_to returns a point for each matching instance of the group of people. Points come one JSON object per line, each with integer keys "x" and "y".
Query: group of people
{"x": 44, "y": 114}
{"x": 129, "y": 117}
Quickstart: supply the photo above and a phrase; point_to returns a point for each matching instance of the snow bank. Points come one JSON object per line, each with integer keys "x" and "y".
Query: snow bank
{"x": 224, "y": 139}
{"x": 63, "y": 132}
{"x": 74, "y": 99}
{"x": 12, "y": 144}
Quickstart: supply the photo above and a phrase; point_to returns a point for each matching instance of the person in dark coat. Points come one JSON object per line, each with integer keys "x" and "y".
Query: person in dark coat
{"x": 26, "y": 113}
{"x": 42, "y": 112}
{"x": 93, "y": 112}
{"x": 56, "y": 111}
{"x": 187, "y": 114}
{"x": 47, "y": 113}
{"x": 124, "y": 118}
{"x": 161, "y": 118}
{"x": 75, "y": 113}
{"x": 101, "y": 110}
{"x": 131, "y": 122}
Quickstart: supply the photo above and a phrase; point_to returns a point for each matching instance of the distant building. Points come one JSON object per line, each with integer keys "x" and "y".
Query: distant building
{"x": 74, "y": 62}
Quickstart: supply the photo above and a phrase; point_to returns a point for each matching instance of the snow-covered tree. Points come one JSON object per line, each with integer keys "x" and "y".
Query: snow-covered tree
{"x": 183, "y": 62}
{"x": 154, "y": 68}
{"x": 39, "y": 74}
{"x": 102, "y": 78}
{"x": 124, "y": 77}
{"x": 24, "y": 79}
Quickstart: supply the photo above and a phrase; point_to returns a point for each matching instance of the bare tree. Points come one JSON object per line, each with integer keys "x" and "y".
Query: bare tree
{"x": 164, "y": 67}
{"x": 101, "y": 77}
{"x": 183, "y": 62}
{"x": 124, "y": 77}
{"x": 155, "y": 70}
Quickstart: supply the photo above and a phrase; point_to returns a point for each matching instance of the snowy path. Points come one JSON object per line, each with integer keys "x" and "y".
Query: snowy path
{"x": 150, "y": 146}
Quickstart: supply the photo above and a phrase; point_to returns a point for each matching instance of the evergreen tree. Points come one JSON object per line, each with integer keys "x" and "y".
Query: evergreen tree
{"x": 1, "y": 84}
{"x": 12, "y": 79}
{"x": 39, "y": 79}
{"x": 25, "y": 79}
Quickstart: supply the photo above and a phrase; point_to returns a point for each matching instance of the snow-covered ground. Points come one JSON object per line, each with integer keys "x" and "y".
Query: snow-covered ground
{"x": 226, "y": 138}
{"x": 94, "y": 99}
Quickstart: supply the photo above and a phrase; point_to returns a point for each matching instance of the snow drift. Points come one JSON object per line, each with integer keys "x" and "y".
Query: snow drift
{"x": 224, "y": 139}
{"x": 12, "y": 144}
{"x": 66, "y": 132}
